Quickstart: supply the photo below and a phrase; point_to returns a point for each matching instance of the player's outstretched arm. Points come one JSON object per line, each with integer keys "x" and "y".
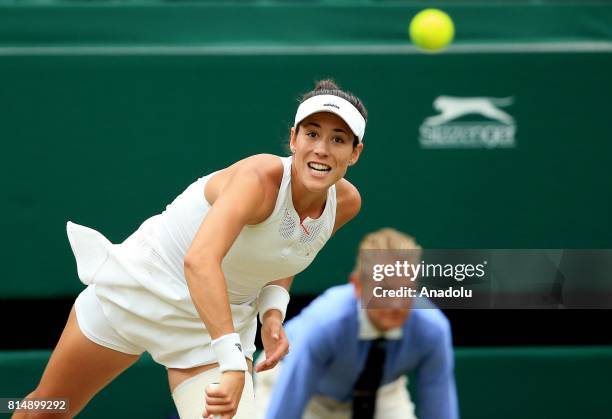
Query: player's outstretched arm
{"x": 239, "y": 203}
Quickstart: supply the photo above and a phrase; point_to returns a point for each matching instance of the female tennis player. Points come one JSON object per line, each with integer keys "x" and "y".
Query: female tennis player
{"x": 188, "y": 284}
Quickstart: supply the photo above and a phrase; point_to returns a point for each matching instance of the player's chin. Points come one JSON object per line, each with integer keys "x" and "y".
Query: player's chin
{"x": 320, "y": 183}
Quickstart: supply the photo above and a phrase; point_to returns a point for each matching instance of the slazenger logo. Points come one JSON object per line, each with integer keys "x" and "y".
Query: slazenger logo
{"x": 332, "y": 105}
{"x": 439, "y": 131}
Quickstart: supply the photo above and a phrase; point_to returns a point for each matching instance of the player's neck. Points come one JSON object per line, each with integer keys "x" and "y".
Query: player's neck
{"x": 307, "y": 203}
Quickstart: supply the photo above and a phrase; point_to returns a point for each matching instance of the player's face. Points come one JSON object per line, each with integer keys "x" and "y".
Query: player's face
{"x": 323, "y": 150}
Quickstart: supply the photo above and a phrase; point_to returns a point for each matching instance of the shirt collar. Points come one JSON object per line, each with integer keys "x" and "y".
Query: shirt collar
{"x": 367, "y": 331}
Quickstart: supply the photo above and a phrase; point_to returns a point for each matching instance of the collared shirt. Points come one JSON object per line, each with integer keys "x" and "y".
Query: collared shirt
{"x": 328, "y": 354}
{"x": 367, "y": 331}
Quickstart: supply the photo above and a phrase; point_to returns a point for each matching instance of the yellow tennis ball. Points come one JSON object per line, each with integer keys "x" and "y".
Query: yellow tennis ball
{"x": 431, "y": 30}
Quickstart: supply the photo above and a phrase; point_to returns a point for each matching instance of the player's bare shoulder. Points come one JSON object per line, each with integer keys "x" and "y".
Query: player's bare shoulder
{"x": 262, "y": 174}
{"x": 348, "y": 202}
{"x": 267, "y": 169}
{"x": 264, "y": 170}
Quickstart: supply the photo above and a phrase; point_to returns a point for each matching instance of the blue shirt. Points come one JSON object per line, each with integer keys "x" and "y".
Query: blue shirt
{"x": 326, "y": 357}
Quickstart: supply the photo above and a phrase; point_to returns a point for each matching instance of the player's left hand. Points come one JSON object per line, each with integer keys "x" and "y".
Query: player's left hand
{"x": 275, "y": 342}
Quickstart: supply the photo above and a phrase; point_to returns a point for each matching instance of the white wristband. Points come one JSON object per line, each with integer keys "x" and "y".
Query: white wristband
{"x": 229, "y": 353}
{"x": 273, "y": 297}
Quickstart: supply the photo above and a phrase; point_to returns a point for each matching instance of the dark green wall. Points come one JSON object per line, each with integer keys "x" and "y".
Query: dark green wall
{"x": 108, "y": 137}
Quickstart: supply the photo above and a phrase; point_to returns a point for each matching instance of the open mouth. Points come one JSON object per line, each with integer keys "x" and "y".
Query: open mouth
{"x": 319, "y": 167}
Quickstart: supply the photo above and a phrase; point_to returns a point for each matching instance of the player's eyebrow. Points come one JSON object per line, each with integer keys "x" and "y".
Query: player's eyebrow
{"x": 319, "y": 126}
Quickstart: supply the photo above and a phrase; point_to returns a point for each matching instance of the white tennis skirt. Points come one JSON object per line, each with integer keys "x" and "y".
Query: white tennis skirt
{"x": 147, "y": 304}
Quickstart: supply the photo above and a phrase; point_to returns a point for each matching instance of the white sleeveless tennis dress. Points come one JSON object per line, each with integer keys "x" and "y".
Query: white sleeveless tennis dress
{"x": 139, "y": 286}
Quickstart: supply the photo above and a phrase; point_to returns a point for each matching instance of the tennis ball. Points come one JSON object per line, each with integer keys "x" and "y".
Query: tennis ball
{"x": 431, "y": 29}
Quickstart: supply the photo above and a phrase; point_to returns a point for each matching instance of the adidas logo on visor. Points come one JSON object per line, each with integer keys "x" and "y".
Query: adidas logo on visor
{"x": 332, "y": 105}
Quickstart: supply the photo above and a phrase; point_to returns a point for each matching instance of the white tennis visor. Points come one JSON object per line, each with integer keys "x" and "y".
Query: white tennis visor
{"x": 334, "y": 104}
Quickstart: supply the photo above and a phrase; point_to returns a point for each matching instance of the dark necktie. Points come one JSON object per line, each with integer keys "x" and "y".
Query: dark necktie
{"x": 364, "y": 390}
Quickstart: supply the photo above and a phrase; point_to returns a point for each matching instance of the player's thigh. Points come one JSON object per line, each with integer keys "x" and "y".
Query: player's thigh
{"x": 189, "y": 394}
{"x": 176, "y": 376}
{"x": 79, "y": 368}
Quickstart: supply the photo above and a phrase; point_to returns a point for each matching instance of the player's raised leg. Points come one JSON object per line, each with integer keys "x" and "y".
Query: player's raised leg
{"x": 77, "y": 370}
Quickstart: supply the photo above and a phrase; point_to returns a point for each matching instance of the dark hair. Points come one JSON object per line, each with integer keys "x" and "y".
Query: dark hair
{"x": 329, "y": 87}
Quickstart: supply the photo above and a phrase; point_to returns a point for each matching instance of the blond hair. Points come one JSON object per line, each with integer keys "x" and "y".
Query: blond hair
{"x": 388, "y": 239}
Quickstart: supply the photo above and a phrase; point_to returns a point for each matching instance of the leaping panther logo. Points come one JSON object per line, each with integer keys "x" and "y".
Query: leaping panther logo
{"x": 455, "y": 107}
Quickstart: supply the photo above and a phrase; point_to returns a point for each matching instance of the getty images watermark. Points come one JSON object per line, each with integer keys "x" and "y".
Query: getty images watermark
{"x": 487, "y": 278}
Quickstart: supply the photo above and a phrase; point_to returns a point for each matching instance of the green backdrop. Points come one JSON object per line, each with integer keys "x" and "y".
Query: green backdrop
{"x": 109, "y": 110}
